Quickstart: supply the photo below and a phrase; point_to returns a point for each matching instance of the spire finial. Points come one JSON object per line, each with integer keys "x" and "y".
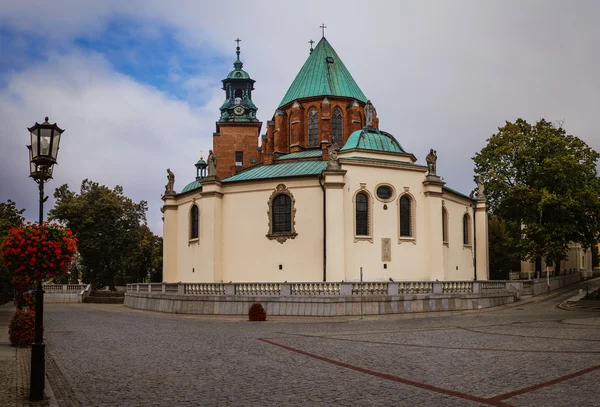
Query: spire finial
{"x": 200, "y": 154}
{"x": 237, "y": 49}
{"x": 323, "y": 27}
{"x": 311, "y": 42}
{"x": 238, "y": 64}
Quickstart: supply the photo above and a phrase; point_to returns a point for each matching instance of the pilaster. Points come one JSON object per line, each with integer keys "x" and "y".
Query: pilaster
{"x": 334, "y": 218}
{"x": 211, "y": 232}
{"x": 170, "y": 236}
{"x": 481, "y": 240}
{"x": 434, "y": 259}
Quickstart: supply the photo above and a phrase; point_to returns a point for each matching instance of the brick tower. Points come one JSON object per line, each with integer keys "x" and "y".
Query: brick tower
{"x": 235, "y": 143}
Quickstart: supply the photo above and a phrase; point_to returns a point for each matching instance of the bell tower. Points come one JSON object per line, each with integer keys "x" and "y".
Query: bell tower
{"x": 235, "y": 143}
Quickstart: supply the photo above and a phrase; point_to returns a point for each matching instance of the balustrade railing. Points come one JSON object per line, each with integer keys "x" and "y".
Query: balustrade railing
{"x": 492, "y": 286}
{"x": 369, "y": 288}
{"x": 254, "y": 289}
{"x": 457, "y": 287}
{"x": 415, "y": 287}
{"x": 61, "y": 288}
{"x": 315, "y": 289}
{"x": 204, "y": 289}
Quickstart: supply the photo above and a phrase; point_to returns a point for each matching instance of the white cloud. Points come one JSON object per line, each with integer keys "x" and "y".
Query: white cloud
{"x": 441, "y": 74}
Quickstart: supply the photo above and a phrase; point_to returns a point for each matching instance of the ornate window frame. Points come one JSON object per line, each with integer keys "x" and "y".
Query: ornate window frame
{"x": 391, "y": 198}
{"x": 467, "y": 230}
{"x": 413, "y": 210}
{"x": 281, "y": 236}
{"x": 445, "y": 224}
{"x": 312, "y": 115}
{"x": 369, "y": 236}
{"x": 191, "y": 238}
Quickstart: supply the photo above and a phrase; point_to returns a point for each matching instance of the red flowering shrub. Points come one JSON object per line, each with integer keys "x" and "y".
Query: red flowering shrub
{"x": 33, "y": 252}
{"x": 21, "y": 328}
{"x": 257, "y": 312}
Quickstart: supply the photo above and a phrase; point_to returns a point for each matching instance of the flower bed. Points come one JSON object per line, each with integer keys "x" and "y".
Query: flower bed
{"x": 257, "y": 312}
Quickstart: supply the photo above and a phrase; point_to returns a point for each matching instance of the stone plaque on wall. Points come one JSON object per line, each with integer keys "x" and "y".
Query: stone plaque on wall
{"x": 386, "y": 249}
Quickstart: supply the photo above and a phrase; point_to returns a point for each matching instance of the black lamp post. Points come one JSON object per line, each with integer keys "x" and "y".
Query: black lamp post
{"x": 43, "y": 151}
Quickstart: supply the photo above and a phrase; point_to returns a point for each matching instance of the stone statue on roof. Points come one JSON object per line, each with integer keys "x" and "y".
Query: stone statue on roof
{"x": 480, "y": 188}
{"x": 212, "y": 164}
{"x": 169, "y": 188}
{"x": 333, "y": 162}
{"x": 369, "y": 113}
{"x": 431, "y": 162}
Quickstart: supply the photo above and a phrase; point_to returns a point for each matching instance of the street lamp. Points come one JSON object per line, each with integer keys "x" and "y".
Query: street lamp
{"x": 43, "y": 150}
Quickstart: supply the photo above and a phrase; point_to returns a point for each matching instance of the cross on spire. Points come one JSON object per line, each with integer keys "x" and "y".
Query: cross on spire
{"x": 323, "y": 27}
{"x": 237, "y": 50}
{"x": 311, "y": 42}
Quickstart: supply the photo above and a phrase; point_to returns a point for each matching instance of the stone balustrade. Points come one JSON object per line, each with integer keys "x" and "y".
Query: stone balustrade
{"x": 65, "y": 293}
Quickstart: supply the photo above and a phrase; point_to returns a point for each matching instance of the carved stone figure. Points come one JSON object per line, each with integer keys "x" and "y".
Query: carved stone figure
{"x": 212, "y": 164}
{"x": 431, "y": 162}
{"x": 169, "y": 188}
{"x": 480, "y": 188}
{"x": 333, "y": 163}
{"x": 369, "y": 112}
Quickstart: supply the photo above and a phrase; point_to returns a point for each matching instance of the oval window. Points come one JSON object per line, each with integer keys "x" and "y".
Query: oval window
{"x": 384, "y": 192}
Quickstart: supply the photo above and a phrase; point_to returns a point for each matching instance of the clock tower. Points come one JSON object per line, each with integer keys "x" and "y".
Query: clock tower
{"x": 235, "y": 143}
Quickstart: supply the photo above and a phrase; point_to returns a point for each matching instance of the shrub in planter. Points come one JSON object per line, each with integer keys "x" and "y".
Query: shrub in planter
{"x": 21, "y": 328}
{"x": 257, "y": 312}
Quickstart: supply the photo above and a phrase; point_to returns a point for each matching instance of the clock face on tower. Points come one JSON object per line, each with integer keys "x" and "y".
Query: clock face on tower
{"x": 239, "y": 110}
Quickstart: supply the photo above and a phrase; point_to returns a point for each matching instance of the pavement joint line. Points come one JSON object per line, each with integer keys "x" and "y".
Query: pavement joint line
{"x": 393, "y": 378}
{"x": 545, "y": 384}
{"x": 529, "y": 336}
{"x": 413, "y": 345}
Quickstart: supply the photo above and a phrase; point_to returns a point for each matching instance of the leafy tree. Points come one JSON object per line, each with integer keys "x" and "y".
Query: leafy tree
{"x": 10, "y": 217}
{"x": 502, "y": 249}
{"x": 543, "y": 183}
{"x": 105, "y": 222}
{"x": 145, "y": 260}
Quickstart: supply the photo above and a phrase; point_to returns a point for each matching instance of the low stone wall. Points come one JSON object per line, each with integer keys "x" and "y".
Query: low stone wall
{"x": 321, "y": 299}
{"x": 540, "y": 286}
{"x": 65, "y": 293}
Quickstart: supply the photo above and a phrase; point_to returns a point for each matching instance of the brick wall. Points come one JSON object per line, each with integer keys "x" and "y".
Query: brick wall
{"x": 232, "y": 137}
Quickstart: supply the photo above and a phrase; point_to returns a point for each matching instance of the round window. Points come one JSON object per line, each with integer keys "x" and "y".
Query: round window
{"x": 384, "y": 192}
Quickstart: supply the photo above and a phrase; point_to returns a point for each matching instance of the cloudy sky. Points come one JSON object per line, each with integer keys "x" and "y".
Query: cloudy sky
{"x": 136, "y": 84}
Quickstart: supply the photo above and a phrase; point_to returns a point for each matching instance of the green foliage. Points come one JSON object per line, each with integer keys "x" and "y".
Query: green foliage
{"x": 144, "y": 262}
{"x": 503, "y": 254}
{"x": 543, "y": 183}
{"x": 107, "y": 225}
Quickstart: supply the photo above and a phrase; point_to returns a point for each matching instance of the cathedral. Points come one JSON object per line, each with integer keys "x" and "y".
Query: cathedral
{"x": 322, "y": 194}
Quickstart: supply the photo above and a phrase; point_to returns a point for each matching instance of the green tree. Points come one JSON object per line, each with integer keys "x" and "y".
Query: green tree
{"x": 105, "y": 222}
{"x": 10, "y": 217}
{"x": 145, "y": 260}
{"x": 504, "y": 257}
{"x": 543, "y": 183}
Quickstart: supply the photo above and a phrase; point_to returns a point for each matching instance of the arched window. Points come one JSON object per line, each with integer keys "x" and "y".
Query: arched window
{"x": 282, "y": 214}
{"x": 406, "y": 229}
{"x": 444, "y": 225}
{"x": 194, "y": 219}
{"x": 466, "y": 230}
{"x": 313, "y": 128}
{"x": 362, "y": 214}
{"x": 336, "y": 126}
{"x": 237, "y": 93}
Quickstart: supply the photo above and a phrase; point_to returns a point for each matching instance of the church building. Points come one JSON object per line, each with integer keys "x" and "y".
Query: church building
{"x": 319, "y": 194}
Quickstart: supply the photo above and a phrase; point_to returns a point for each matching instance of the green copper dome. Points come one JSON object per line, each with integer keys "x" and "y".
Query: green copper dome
{"x": 323, "y": 74}
{"x": 370, "y": 138}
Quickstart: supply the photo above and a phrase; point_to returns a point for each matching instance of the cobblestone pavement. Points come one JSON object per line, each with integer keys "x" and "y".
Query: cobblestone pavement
{"x": 532, "y": 354}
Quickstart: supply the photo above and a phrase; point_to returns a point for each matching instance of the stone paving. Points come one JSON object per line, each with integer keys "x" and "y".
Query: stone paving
{"x": 529, "y": 354}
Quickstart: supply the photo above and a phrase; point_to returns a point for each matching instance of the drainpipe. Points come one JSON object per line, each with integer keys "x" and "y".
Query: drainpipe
{"x": 324, "y": 228}
{"x": 474, "y": 244}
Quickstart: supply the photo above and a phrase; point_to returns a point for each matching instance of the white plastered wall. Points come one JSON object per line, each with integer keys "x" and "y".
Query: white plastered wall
{"x": 458, "y": 258}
